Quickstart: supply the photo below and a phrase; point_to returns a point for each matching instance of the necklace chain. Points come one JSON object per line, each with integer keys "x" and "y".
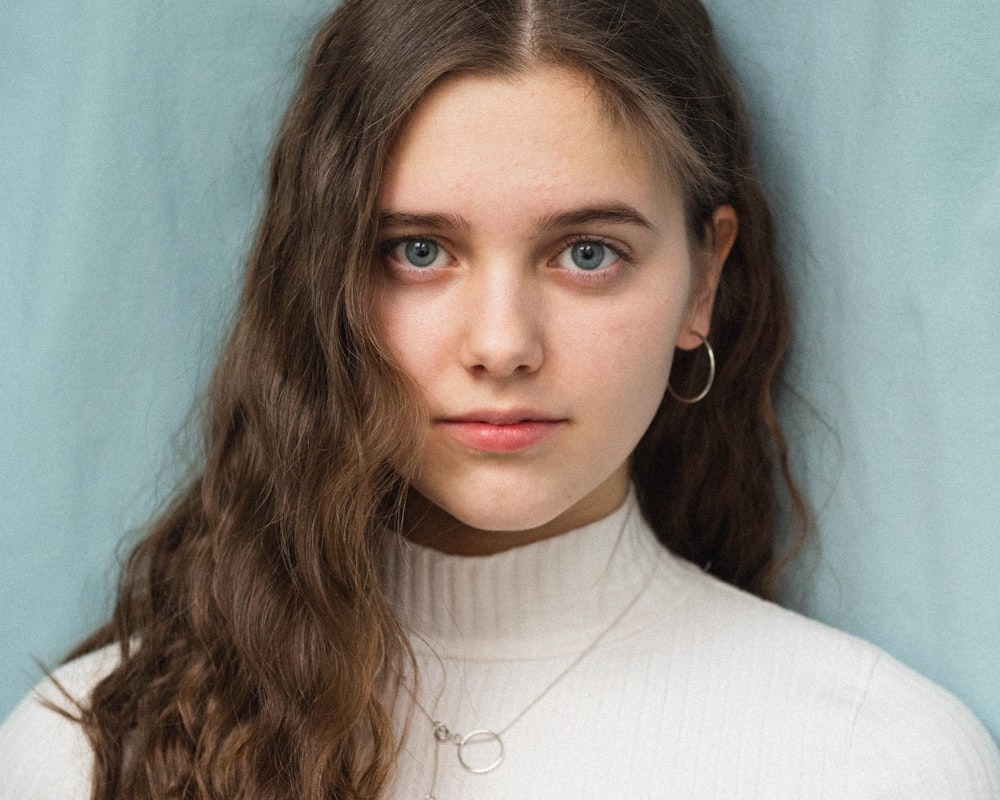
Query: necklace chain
{"x": 444, "y": 735}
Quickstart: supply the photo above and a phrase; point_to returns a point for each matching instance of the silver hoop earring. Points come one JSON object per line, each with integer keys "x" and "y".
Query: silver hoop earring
{"x": 711, "y": 376}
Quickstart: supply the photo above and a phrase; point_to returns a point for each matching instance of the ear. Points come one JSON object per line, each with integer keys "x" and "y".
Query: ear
{"x": 720, "y": 234}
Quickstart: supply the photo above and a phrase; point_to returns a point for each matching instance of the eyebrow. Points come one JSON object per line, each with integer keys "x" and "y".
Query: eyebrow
{"x": 617, "y": 213}
{"x": 401, "y": 219}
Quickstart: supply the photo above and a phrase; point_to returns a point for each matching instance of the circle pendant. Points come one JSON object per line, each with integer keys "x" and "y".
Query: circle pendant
{"x": 480, "y": 751}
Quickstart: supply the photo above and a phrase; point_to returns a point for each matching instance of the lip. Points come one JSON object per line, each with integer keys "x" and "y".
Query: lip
{"x": 501, "y": 431}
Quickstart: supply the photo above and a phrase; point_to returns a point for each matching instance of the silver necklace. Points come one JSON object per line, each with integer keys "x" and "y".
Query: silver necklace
{"x": 474, "y": 762}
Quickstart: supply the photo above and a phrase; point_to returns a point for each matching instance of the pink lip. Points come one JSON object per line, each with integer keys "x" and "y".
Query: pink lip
{"x": 495, "y": 431}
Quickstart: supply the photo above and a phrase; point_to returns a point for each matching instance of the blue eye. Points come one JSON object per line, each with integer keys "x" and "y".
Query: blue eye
{"x": 420, "y": 252}
{"x": 587, "y": 255}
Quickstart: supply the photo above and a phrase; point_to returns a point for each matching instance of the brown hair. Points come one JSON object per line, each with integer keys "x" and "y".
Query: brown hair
{"x": 259, "y": 658}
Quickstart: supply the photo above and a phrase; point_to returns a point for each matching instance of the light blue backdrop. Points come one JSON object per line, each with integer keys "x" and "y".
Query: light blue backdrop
{"x": 132, "y": 136}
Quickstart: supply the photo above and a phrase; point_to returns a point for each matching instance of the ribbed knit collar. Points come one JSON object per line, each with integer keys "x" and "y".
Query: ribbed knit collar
{"x": 534, "y": 601}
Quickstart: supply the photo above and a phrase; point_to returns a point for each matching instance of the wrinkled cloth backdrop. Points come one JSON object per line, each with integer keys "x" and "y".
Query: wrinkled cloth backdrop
{"x": 132, "y": 139}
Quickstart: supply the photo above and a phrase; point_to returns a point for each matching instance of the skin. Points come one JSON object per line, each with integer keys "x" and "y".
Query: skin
{"x": 492, "y": 183}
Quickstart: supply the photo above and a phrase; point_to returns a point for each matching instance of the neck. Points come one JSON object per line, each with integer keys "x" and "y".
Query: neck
{"x": 552, "y": 597}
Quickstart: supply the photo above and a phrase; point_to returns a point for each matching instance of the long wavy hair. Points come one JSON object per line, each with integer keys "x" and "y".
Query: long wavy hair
{"x": 258, "y": 655}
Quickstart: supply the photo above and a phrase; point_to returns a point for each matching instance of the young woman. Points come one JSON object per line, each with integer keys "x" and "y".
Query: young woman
{"x": 487, "y": 486}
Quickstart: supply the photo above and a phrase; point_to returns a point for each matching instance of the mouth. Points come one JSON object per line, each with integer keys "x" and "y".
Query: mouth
{"x": 501, "y": 431}
{"x": 513, "y": 416}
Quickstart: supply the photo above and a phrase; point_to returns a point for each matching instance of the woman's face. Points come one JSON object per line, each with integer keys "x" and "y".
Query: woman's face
{"x": 538, "y": 276}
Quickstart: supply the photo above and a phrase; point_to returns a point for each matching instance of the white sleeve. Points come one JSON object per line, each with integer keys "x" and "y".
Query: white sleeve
{"x": 43, "y": 754}
{"x": 914, "y": 741}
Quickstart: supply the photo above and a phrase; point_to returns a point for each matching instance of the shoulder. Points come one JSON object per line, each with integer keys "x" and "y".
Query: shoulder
{"x": 44, "y": 753}
{"x": 887, "y": 731}
{"x": 912, "y": 739}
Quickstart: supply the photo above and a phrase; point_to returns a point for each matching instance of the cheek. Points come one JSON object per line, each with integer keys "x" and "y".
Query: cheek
{"x": 408, "y": 334}
{"x": 645, "y": 368}
{"x": 628, "y": 358}
{"x": 641, "y": 337}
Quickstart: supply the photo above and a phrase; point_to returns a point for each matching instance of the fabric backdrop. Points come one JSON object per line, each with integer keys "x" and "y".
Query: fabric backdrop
{"x": 132, "y": 137}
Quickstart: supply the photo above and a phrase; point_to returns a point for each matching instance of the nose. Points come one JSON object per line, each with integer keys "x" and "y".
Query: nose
{"x": 502, "y": 334}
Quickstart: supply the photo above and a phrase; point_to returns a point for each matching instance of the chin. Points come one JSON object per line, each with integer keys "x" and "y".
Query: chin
{"x": 507, "y": 516}
{"x": 507, "y": 507}
{"x": 525, "y": 508}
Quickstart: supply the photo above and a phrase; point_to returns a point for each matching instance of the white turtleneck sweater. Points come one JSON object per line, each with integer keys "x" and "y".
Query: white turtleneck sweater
{"x": 687, "y": 688}
{"x": 699, "y": 691}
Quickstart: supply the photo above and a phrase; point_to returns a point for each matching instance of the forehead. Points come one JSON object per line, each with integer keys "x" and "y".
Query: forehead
{"x": 546, "y": 132}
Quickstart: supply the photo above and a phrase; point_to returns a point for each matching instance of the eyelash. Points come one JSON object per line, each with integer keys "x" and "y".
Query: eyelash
{"x": 603, "y": 275}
